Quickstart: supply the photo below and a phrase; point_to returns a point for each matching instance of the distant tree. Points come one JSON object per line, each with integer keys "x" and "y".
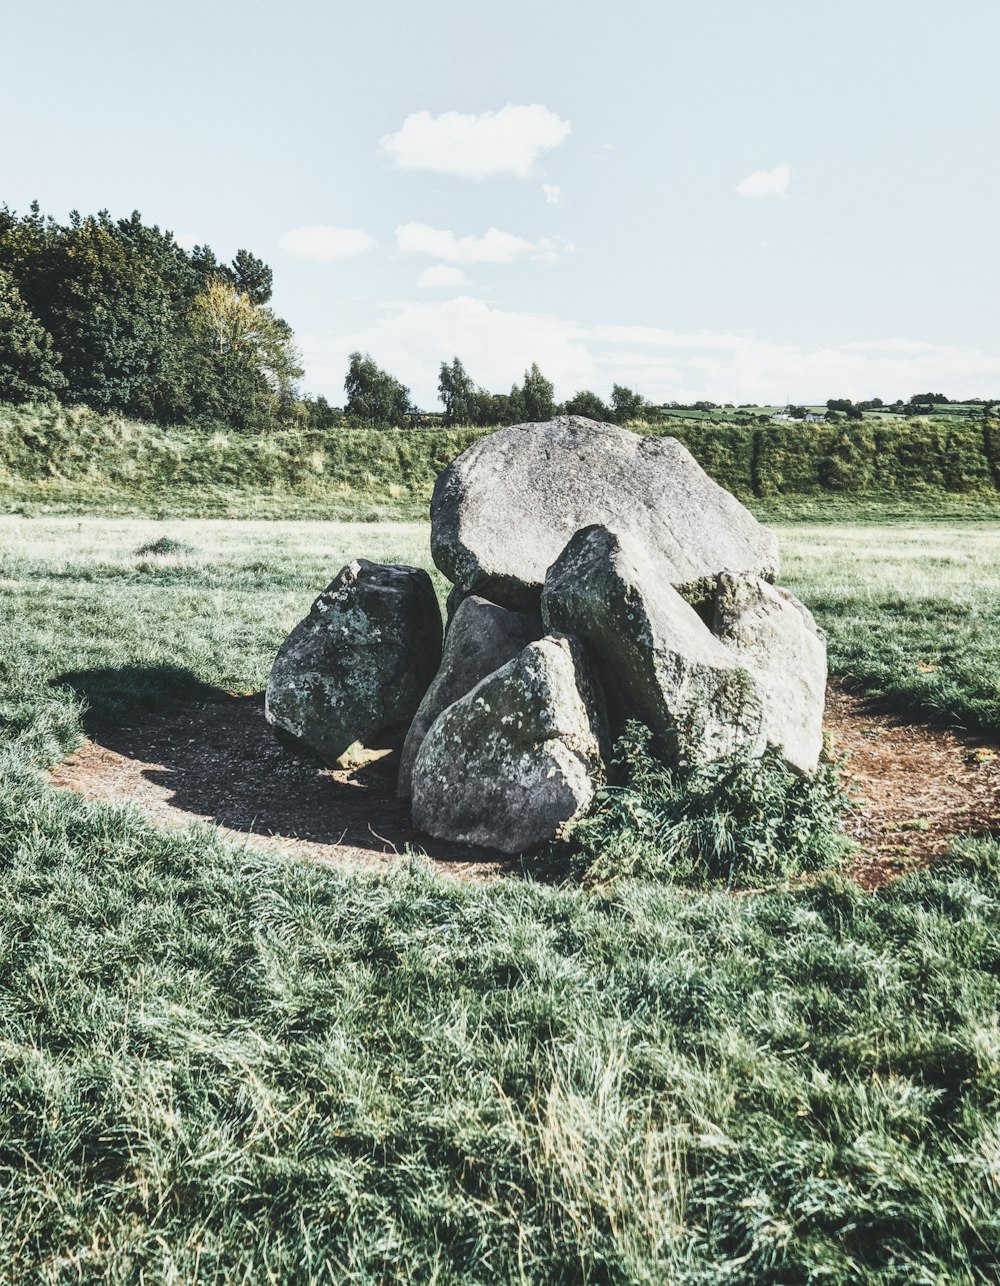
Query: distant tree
{"x": 252, "y": 277}
{"x": 510, "y": 408}
{"x": 29, "y": 364}
{"x": 140, "y": 324}
{"x": 845, "y": 406}
{"x": 320, "y": 414}
{"x": 589, "y": 404}
{"x": 238, "y": 363}
{"x": 797, "y": 412}
{"x": 538, "y": 396}
{"x": 626, "y": 404}
{"x": 374, "y": 396}
{"x": 458, "y": 393}
{"x": 928, "y": 399}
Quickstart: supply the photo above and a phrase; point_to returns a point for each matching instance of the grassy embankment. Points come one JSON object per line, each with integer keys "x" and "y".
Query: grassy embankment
{"x": 219, "y": 1066}
{"x": 59, "y": 461}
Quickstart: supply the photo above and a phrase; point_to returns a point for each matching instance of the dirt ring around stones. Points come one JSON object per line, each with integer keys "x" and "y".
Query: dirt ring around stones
{"x": 216, "y": 761}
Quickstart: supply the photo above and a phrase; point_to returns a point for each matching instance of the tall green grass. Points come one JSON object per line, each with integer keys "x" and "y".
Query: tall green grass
{"x": 222, "y": 1066}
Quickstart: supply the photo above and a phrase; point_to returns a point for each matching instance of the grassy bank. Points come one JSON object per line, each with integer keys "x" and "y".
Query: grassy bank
{"x": 73, "y": 461}
{"x": 220, "y": 1066}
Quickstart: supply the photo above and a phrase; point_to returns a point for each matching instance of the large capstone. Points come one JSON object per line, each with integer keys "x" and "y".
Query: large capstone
{"x": 658, "y": 661}
{"x": 513, "y": 763}
{"x": 503, "y": 511}
{"x": 776, "y": 639}
{"x": 481, "y": 638}
{"x": 360, "y": 662}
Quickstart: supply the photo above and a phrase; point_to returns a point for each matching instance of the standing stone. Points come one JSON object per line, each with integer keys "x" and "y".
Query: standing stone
{"x": 513, "y": 763}
{"x": 503, "y": 511}
{"x": 657, "y": 660}
{"x": 361, "y": 660}
{"x": 481, "y": 638}
{"x": 776, "y": 638}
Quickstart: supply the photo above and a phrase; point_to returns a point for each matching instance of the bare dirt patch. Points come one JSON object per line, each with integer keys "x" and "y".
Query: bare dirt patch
{"x": 914, "y": 786}
{"x": 217, "y": 761}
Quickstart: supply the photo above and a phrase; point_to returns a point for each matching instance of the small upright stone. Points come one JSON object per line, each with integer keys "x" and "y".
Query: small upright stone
{"x": 504, "y": 510}
{"x": 481, "y": 638}
{"x": 657, "y": 660}
{"x": 361, "y": 660}
{"x": 776, "y": 638}
{"x": 513, "y": 763}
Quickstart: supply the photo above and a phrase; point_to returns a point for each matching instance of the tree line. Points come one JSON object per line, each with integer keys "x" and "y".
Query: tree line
{"x": 376, "y": 398}
{"x": 116, "y": 315}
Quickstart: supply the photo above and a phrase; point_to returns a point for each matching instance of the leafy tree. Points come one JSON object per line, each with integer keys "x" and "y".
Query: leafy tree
{"x": 844, "y": 405}
{"x": 29, "y": 364}
{"x": 458, "y": 393}
{"x": 320, "y": 414}
{"x": 537, "y": 396}
{"x": 141, "y": 325}
{"x": 627, "y": 405}
{"x": 928, "y": 399}
{"x": 589, "y": 404}
{"x": 374, "y": 396}
{"x": 252, "y": 277}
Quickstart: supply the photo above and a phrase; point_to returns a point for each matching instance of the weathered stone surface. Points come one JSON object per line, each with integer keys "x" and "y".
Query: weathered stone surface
{"x": 514, "y": 762}
{"x": 504, "y": 510}
{"x": 361, "y": 660}
{"x": 481, "y": 638}
{"x": 657, "y": 660}
{"x": 776, "y": 639}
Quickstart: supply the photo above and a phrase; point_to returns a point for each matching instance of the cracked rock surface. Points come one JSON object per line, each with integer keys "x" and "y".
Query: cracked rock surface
{"x": 657, "y": 659}
{"x": 517, "y": 760}
{"x": 503, "y": 511}
{"x": 481, "y": 638}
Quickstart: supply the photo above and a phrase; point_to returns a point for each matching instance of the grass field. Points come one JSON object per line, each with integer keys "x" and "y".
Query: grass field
{"x": 220, "y": 1066}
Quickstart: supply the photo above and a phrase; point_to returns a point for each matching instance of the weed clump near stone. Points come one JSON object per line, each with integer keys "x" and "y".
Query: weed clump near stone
{"x": 745, "y": 820}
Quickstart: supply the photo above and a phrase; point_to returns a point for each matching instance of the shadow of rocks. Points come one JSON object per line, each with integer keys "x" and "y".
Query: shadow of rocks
{"x": 212, "y": 755}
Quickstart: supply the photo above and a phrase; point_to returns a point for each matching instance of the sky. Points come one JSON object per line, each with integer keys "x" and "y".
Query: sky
{"x": 738, "y": 200}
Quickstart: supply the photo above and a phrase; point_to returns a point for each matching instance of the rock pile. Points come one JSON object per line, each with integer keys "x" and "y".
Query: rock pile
{"x": 598, "y": 576}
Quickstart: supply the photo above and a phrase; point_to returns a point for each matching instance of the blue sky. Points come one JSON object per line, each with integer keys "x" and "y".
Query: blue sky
{"x": 733, "y": 199}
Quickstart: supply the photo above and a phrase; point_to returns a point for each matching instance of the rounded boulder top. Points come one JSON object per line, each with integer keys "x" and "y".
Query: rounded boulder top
{"x": 504, "y": 510}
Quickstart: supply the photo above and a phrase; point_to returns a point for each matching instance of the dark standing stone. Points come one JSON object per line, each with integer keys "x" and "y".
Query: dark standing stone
{"x": 361, "y": 660}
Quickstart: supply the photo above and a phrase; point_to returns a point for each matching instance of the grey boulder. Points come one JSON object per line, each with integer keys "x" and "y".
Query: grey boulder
{"x": 657, "y": 660}
{"x": 513, "y": 763}
{"x": 504, "y": 509}
{"x": 361, "y": 660}
{"x": 776, "y": 639}
{"x": 481, "y": 638}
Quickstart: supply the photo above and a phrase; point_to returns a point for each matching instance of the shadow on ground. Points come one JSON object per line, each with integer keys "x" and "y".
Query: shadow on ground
{"x": 182, "y": 750}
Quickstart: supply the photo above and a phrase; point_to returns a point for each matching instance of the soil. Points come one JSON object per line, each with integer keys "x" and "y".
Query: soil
{"x": 217, "y": 761}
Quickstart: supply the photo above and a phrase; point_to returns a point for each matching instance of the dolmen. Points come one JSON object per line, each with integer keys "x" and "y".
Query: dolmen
{"x": 597, "y": 576}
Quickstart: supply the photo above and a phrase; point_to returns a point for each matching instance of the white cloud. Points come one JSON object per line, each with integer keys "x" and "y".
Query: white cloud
{"x": 765, "y": 183}
{"x": 553, "y": 193}
{"x": 493, "y": 246}
{"x": 496, "y": 346}
{"x": 325, "y": 243}
{"x": 442, "y": 275}
{"x": 508, "y": 141}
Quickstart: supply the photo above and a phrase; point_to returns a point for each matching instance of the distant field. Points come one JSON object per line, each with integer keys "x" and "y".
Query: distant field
{"x": 222, "y": 1066}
